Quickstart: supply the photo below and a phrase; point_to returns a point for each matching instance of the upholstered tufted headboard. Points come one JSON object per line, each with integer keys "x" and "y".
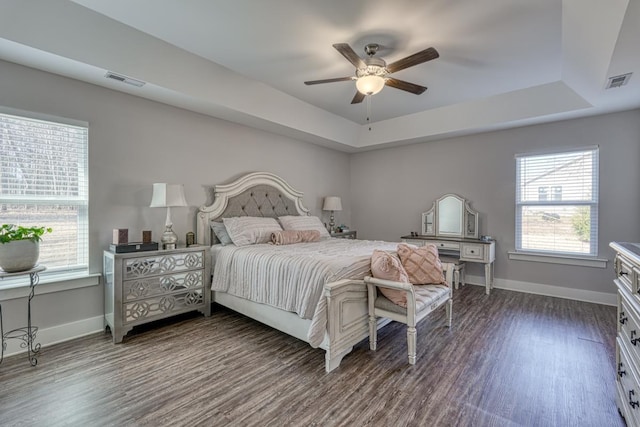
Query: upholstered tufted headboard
{"x": 255, "y": 194}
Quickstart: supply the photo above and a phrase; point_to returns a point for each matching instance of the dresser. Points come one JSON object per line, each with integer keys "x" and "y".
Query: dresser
{"x": 627, "y": 281}
{"x": 141, "y": 287}
{"x": 469, "y": 250}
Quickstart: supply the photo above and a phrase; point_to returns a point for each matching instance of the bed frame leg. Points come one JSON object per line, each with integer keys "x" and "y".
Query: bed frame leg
{"x": 331, "y": 363}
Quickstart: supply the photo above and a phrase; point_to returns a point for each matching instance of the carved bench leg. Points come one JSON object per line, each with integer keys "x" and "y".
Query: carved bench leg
{"x": 373, "y": 332}
{"x": 411, "y": 344}
{"x": 456, "y": 278}
{"x": 449, "y": 313}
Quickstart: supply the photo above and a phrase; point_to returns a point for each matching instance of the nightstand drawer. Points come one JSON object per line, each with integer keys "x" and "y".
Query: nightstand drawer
{"x": 160, "y": 285}
{"x": 162, "y": 306}
{"x": 161, "y": 264}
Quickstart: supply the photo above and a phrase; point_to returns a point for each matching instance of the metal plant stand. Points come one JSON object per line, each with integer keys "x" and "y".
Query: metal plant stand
{"x": 26, "y": 334}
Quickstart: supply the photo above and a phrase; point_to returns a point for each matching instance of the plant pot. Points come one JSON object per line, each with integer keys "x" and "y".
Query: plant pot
{"x": 19, "y": 255}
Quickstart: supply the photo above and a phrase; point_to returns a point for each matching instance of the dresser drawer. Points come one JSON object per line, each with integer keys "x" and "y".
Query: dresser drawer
{"x": 471, "y": 251}
{"x": 415, "y": 242}
{"x": 629, "y": 326}
{"x": 628, "y": 385}
{"x": 626, "y": 273}
{"x": 134, "y": 268}
{"x": 160, "y": 285}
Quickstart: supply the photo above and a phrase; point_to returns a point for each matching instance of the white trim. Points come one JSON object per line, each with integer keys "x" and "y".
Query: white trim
{"x": 558, "y": 259}
{"x": 47, "y": 285}
{"x": 21, "y": 114}
{"x": 558, "y": 150}
{"x": 604, "y": 298}
{"x": 57, "y": 334}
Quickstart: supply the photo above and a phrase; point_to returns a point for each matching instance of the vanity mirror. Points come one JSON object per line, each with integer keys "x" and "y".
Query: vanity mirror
{"x": 450, "y": 216}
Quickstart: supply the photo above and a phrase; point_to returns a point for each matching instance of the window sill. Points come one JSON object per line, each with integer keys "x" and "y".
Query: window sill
{"x": 559, "y": 259}
{"x": 19, "y": 287}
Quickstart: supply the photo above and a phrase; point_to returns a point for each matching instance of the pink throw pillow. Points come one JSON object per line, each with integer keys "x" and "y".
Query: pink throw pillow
{"x": 388, "y": 267}
{"x": 422, "y": 264}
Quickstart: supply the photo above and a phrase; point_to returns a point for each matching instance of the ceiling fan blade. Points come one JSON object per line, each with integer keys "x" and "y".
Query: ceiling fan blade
{"x": 406, "y": 86}
{"x": 338, "y": 79}
{"x": 351, "y": 56}
{"x": 415, "y": 59}
{"x": 358, "y": 98}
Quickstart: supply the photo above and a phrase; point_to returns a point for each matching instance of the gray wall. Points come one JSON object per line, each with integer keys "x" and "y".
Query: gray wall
{"x": 133, "y": 143}
{"x": 390, "y": 188}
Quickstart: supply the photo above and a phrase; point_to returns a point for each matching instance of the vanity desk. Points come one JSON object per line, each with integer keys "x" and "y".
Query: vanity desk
{"x": 469, "y": 250}
{"x": 452, "y": 226}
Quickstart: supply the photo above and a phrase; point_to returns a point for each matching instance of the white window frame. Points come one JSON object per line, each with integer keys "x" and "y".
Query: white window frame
{"x": 550, "y": 255}
{"x": 80, "y": 270}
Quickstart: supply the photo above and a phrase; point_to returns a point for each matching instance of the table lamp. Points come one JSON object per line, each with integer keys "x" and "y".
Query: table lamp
{"x": 167, "y": 196}
{"x": 332, "y": 203}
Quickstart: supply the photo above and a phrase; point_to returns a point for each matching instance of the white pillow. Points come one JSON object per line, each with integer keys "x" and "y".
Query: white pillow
{"x": 291, "y": 222}
{"x": 248, "y": 230}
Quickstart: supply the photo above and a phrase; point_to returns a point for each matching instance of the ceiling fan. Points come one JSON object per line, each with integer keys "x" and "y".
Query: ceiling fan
{"x": 372, "y": 74}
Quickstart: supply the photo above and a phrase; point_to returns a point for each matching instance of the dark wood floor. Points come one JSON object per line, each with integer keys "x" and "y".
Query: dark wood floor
{"x": 511, "y": 359}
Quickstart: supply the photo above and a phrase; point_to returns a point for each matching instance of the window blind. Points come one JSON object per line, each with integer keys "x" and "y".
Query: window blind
{"x": 557, "y": 202}
{"x": 44, "y": 182}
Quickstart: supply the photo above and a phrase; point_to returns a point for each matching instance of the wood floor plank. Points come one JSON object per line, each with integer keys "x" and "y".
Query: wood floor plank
{"x": 510, "y": 359}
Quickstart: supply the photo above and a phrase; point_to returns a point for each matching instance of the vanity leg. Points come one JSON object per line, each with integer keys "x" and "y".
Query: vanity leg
{"x": 488, "y": 277}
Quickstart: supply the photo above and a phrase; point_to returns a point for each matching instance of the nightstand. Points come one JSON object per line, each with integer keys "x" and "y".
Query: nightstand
{"x": 140, "y": 287}
{"x": 351, "y": 234}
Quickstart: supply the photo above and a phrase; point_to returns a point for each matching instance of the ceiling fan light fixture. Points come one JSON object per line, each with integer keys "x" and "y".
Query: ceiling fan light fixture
{"x": 369, "y": 85}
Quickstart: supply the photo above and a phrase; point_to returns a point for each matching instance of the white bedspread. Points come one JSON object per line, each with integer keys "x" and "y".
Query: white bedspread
{"x": 291, "y": 277}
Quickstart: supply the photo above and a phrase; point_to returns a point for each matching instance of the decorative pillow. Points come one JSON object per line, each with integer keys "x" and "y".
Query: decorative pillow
{"x": 221, "y": 233}
{"x": 422, "y": 264}
{"x": 291, "y": 222}
{"x": 289, "y": 237}
{"x": 388, "y": 266}
{"x": 248, "y": 230}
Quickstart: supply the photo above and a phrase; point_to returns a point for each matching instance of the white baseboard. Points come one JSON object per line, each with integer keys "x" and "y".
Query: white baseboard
{"x": 59, "y": 333}
{"x": 548, "y": 290}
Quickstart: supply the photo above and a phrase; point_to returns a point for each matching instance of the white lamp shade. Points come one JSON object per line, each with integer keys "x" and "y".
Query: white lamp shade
{"x": 369, "y": 85}
{"x": 166, "y": 195}
{"x": 332, "y": 203}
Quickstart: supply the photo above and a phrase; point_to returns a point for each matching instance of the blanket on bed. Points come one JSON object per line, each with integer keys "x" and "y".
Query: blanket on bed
{"x": 292, "y": 277}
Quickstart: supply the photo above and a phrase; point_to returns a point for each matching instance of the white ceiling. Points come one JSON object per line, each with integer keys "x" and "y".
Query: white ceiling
{"x": 503, "y": 63}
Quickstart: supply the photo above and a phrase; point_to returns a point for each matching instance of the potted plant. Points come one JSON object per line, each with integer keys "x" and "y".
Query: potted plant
{"x": 20, "y": 247}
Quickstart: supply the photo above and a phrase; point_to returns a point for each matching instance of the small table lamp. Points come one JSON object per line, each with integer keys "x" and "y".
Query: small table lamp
{"x": 332, "y": 203}
{"x": 166, "y": 196}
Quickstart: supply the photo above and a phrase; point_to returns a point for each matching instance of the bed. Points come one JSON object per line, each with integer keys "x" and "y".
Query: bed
{"x": 333, "y": 314}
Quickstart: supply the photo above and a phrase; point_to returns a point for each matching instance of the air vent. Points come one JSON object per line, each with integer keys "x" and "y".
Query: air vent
{"x": 617, "y": 81}
{"x": 124, "y": 79}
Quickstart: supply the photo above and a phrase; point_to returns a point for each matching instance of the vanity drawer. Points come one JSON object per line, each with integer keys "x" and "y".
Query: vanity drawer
{"x": 445, "y": 246}
{"x": 471, "y": 251}
{"x": 415, "y": 242}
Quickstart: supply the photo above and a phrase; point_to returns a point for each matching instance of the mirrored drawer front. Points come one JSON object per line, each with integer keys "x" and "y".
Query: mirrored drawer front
{"x": 160, "y": 306}
{"x": 472, "y": 251}
{"x": 159, "y": 285}
{"x": 628, "y": 381}
{"x": 150, "y": 266}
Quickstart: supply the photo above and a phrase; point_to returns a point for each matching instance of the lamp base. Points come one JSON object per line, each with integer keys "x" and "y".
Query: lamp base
{"x": 169, "y": 238}
{"x": 332, "y": 223}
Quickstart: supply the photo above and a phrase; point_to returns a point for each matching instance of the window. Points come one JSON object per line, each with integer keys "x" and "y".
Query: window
{"x": 557, "y": 203}
{"x": 44, "y": 182}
